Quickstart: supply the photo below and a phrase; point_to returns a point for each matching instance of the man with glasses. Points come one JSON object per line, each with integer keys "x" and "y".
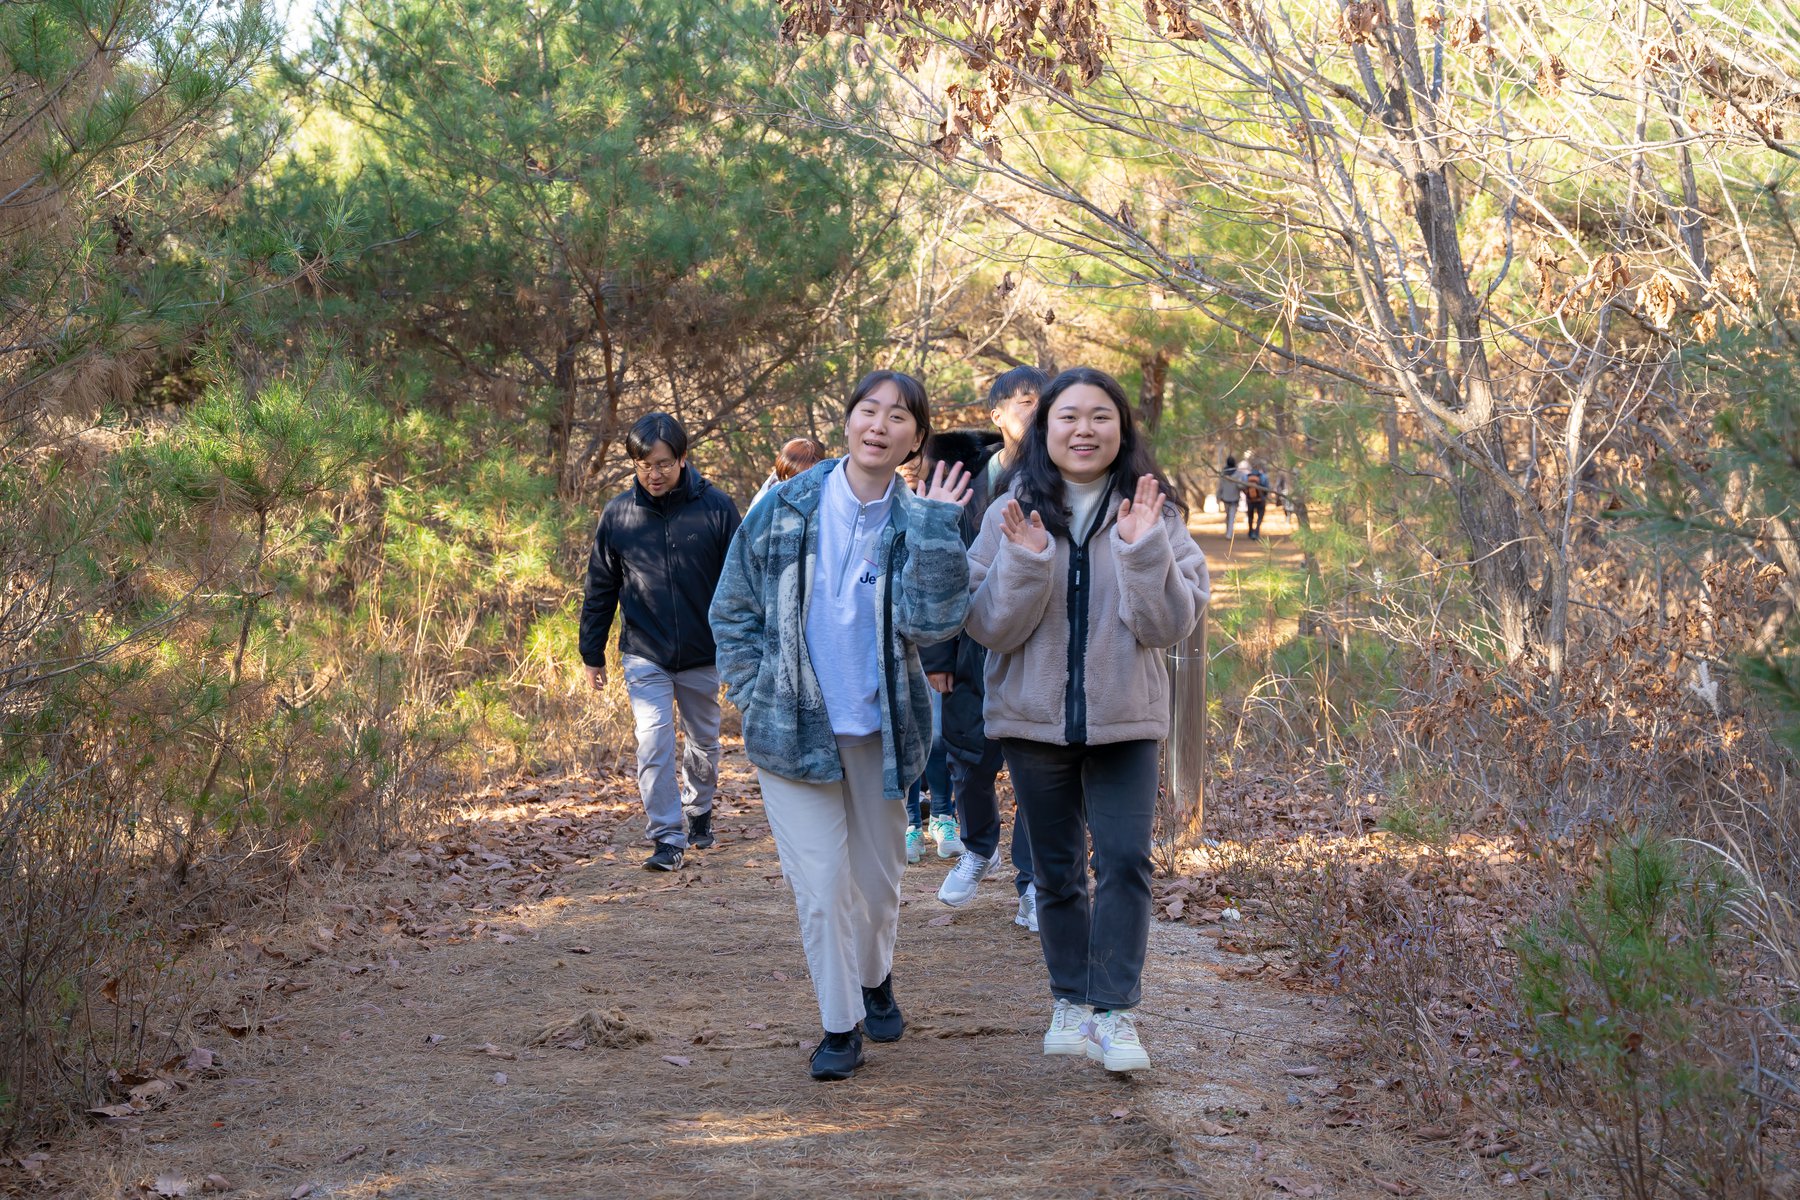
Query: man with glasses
{"x": 658, "y": 553}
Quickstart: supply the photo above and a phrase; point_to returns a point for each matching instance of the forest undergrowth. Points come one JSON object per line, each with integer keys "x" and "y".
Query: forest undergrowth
{"x": 1564, "y": 922}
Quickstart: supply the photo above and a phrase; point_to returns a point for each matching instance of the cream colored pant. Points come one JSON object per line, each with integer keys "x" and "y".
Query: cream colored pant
{"x": 843, "y": 848}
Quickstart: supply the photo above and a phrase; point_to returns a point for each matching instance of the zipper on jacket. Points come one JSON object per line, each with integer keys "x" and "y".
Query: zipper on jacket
{"x": 803, "y": 653}
{"x": 1080, "y": 579}
{"x": 669, "y": 576}
{"x": 887, "y": 650}
{"x": 1075, "y": 702}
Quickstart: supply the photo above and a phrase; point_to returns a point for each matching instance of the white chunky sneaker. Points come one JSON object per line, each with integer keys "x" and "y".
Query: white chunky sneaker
{"x": 959, "y": 885}
{"x": 1112, "y": 1039}
{"x": 945, "y": 834}
{"x": 1027, "y": 914}
{"x": 1065, "y": 1035}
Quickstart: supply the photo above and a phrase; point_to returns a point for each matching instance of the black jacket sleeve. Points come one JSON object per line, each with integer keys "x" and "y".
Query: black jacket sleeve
{"x": 731, "y": 522}
{"x": 600, "y": 600}
{"x": 942, "y": 658}
{"x": 939, "y": 657}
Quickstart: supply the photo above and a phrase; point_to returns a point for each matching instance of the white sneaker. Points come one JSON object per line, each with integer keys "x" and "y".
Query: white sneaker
{"x": 959, "y": 884}
{"x": 1112, "y": 1039}
{"x": 915, "y": 843}
{"x": 944, "y": 833}
{"x": 1027, "y": 915}
{"x": 1066, "y": 1033}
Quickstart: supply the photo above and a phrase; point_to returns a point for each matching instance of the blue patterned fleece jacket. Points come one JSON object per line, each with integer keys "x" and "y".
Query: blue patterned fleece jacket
{"x": 759, "y": 626}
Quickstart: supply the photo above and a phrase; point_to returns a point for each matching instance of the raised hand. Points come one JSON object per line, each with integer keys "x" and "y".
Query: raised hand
{"x": 949, "y": 483}
{"x": 1030, "y": 534}
{"x": 1138, "y": 515}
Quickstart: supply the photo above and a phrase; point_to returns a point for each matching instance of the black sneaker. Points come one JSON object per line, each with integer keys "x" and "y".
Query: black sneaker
{"x": 882, "y": 1017}
{"x": 666, "y": 858}
{"x": 838, "y": 1055}
{"x": 700, "y": 835}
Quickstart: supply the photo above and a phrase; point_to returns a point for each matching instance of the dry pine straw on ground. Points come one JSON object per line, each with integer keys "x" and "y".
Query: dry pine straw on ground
{"x": 517, "y": 1008}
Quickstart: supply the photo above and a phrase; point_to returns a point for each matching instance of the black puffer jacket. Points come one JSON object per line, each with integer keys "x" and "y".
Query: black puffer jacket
{"x": 964, "y": 732}
{"x": 659, "y": 558}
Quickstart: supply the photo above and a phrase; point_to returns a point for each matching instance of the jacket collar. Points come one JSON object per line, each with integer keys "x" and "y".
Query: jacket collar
{"x": 686, "y": 488}
{"x": 803, "y": 491}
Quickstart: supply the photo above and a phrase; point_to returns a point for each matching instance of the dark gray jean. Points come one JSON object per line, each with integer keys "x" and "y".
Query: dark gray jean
{"x": 979, "y": 807}
{"x": 1095, "y": 952}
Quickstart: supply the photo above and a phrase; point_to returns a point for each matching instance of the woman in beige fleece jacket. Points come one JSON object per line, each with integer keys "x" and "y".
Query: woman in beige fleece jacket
{"x": 1083, "y": 574}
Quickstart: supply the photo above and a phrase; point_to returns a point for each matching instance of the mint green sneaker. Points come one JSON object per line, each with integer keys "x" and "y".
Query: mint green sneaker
{"x": 915, "y": 843}
{"x": 1112, "y": 1041}
{"x": 944, "y": 833}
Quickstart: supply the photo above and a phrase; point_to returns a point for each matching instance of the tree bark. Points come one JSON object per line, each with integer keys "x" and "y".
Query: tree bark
{"x": 1153, "y": 390}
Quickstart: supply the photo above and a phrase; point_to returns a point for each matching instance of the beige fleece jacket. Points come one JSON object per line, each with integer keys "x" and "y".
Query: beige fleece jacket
{"x": 1143, "y": 597}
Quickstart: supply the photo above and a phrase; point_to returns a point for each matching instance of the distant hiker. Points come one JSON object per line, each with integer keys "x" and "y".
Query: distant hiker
{"x": 959, "y": 668}
{"x": 930, "y": 801}
{"x": 1229, "y": 491}
{"x": 829, "y": 588}
{"x": 657, "y": 555}
{"x": 1256, "y": 498}
{"x": 1084, "y": 573}
{"x": 796, "y": 455}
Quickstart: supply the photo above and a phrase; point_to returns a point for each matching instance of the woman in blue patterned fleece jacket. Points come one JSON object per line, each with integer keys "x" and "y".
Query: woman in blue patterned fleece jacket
{"x": 830, "y": 585}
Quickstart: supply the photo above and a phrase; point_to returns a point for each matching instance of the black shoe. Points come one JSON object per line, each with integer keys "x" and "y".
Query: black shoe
{"x": 838, "y": 1055}
{"x": 882, "y": 1017}
{"x": 700, "y": 835}
{"x": 666, "y": 858}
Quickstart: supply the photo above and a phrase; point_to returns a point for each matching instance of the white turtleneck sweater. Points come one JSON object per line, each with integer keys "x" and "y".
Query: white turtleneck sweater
{"x": 1082, "y": 504}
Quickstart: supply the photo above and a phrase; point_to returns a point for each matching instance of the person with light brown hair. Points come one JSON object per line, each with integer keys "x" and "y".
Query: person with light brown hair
{"x": 795, "y": 456}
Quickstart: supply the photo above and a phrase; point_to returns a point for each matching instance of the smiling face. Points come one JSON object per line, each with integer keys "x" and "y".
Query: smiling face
{"x": 1082, "y": 433}
{"x": 880, "y": 432}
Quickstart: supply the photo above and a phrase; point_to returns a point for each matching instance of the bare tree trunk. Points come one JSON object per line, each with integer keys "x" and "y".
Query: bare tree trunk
{"x": 562, "y": 425}
{"x": 1153, "y": 391}
{"x": 609, "y": 418}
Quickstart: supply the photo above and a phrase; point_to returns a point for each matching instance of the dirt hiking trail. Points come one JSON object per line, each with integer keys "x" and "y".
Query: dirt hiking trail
{"x": 514, "y": 1007}
{"x": 519, "y": 1009}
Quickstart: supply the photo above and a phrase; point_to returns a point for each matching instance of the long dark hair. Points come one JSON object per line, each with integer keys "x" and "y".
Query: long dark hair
{"x": 1039, "y": 485}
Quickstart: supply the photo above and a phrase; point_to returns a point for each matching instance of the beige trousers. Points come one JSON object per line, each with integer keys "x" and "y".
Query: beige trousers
{"x": 843, "y": 849}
